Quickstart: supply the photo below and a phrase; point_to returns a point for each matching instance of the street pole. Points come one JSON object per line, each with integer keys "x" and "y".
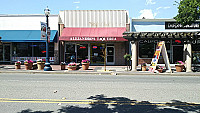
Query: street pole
{"x": 47, "y": 64}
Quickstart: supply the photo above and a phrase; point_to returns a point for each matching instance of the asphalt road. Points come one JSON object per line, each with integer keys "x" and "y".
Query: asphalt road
{"x": 152, "y": 88}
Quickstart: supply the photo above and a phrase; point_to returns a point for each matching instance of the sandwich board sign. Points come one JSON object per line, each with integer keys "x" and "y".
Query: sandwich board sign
{"x": 160, "y": 49}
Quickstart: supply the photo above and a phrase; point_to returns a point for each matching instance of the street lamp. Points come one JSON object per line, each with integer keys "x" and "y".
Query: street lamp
{"x": 47, "y": 64}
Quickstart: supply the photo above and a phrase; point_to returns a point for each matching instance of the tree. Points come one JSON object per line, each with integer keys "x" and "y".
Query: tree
{"x": 188, "y": 11}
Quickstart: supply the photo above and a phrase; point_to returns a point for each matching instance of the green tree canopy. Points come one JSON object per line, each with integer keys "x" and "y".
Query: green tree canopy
{"x": 188, "y": 11}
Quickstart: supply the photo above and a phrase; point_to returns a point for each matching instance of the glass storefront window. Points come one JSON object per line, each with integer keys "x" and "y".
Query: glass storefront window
{"x": 39, "y": 49}
{"x": 97, "y": 56}
{"x": 22, "y": 49}
{"x": 32, "y": 49}
{"x": 82, "y": 52}
{"x": 70, "y": 55}
{"x": 146, "y": 50}
{"x": 1, "y": 51}
{"x": 195, "y": 54}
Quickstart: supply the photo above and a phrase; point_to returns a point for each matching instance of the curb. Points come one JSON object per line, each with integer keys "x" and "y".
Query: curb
{"x": 104, "y": 73}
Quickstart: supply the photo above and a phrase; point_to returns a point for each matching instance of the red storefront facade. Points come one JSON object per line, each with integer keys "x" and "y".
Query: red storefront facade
{"x": 91, "y": 43}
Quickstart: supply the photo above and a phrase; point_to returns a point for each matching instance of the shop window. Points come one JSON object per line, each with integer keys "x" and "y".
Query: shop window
{"x": 1, "y": 51}
{"x": 32, "y": 49}
{"x": 195, "y": 54}
{"x": 82, "y": 52}
{"x": 40, "y": 49}
{"x": 70, "y": 55}
{"x": 97, "y": 56}
{"x": 146, "y": 50}
{"x": 22, "y": 50}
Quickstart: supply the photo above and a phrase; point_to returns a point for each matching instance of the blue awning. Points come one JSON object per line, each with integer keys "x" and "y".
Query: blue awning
{"x": 25, "y": 36}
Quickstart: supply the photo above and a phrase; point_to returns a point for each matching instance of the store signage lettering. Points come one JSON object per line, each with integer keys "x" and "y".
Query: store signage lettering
{"x": 196, "y": 42}
{"x": 151, "y": 41}
{"x": 93, "y": 38}
{"x": 174, "y": 25}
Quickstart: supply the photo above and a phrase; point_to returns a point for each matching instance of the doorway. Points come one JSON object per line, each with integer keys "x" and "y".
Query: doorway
{"x": 5, "y": 49}
{"x": 110, "y": 60}
{"x": 70, "y": 53}
{"x": 76, "y": 52}
{"x": 177, "y": 53}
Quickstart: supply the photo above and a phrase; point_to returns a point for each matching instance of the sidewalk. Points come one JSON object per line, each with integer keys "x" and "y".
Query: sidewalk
{"x": 97, "y": 70}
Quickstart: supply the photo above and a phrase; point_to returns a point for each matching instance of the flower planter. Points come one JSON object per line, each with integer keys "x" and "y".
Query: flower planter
{"x": 179, "y": 68}
{"x": 30, "y": 66}
{"x": 144, "y": 68}
{"x": 40, "y": 65}
{"x": 27, "y": 66}
{"x": 160, "y": 70}
{"x": 85, "y": 66}
{"x": 17, "y": 66}
{"x": 71, "y": 68}
{"x": 62, "y": 66}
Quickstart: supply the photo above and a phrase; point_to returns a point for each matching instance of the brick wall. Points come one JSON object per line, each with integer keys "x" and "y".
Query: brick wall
{"x": 120, "y": 51}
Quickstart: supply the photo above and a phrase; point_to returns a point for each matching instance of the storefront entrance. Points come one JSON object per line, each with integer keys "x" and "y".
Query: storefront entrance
{"x": 177, "y": 53}
{"x": 97, "y": 53}
{"x": 5, "y": 49}
{"x": 110, "y": 54}
{"x": 76, "y": 52}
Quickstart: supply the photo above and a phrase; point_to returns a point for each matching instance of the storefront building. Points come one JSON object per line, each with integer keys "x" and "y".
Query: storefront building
{"x": 21, "y": 38}
{"x": 147, "y": 32}
{"x": 88, "y": 34}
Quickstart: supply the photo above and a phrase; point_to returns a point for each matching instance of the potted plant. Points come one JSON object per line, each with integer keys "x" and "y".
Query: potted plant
{"x": 71, "y": 66}
{"x": 144, "y": 66}
{"x": 62, "y": 65}
{"x": 40, "y": 64}
{"x": 85, "y": 64}
{"x": 18, "y": 65}
{"x": 127, "y": 57}
{"x": 28, "y": 64}
{"x": 179, "y": 66}
{"x": 159, "y": 68}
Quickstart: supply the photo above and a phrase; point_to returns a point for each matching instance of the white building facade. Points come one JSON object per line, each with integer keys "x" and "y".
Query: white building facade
{"x": 21, "y": 38}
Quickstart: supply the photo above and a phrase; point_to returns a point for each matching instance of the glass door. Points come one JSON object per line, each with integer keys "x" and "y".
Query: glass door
{"x": 110, "y": 50}
{"x": 96, "y": 54}
{"x": 6, "y": 52}
{"x": 1, "y": 51}
{"x": 70, "y": 53}
{"x": 177, "y": 53}
{"x": 82, "y": 52}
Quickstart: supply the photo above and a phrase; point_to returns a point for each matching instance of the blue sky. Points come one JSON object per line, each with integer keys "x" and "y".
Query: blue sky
{"x": 136, "y": 8}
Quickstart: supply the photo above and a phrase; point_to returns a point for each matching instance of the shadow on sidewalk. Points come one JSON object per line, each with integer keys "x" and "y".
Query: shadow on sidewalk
{"x": 125, "y": 105}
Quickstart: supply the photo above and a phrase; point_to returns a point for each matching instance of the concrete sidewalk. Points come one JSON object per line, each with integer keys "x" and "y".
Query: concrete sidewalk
{"x": 97, "y": 70}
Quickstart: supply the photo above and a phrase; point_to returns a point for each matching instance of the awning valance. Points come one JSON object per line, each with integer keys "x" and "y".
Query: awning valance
{"x": 93, "y": 34}
{"x": 161, "y": 35}
{"x": 25, "y": 36}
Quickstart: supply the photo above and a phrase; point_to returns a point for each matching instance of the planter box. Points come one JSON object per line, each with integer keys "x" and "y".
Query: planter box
{"x": 17, "y": 66}
{"x": 160, "y": 70}
{"x": 179, "y": 68}
{"x": 62, "y": 67}
{"x": 71, "y": 68}
{"x": 85, "y": 66}
{"x": 40, "y": 65}
{"x": 144, "y": 68}
{"x": 27, "y": 66}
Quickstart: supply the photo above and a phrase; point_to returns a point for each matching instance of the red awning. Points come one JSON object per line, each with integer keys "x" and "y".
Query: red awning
{"x": 93, "y": 34}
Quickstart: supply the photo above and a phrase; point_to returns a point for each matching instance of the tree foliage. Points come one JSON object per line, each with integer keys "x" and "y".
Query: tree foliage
{"x": 188, "y": 11}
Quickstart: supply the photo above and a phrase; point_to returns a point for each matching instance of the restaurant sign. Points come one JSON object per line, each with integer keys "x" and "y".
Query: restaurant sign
{"x": 93, "y": 38}
{"x": 175, "y": 25}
